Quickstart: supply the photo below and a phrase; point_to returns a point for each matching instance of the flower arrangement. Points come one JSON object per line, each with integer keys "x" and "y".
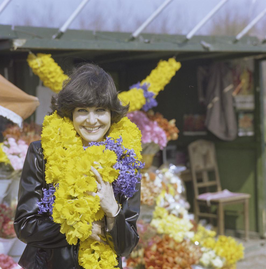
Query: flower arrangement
{"x": 169, "y": 253}
{"x": 149, "y": 188}
{"x": 142, "y": 95}
{"x": 176, "y": 228}
{"x": 169, "y": 127}
{"x": 16, "y": 140}
{"x": 6, "y": 262}
{"x": 6, "y": 222}
{"x": 150, "y": 130}
{"x": 68, "y": 165}
{"x": 16, "y": 152}
{"x": 220, "y": 252}
{"x": 48, "y": 70}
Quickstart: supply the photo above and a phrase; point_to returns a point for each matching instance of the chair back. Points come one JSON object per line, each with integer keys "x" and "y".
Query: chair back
{"x": 202, "y": 158}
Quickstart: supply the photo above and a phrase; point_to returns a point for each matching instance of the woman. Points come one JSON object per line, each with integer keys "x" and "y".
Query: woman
{"x": 56, "y": 233}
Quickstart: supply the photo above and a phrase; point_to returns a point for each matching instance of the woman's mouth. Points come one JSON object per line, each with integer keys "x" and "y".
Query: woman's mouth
{"x": 92, "y": 129}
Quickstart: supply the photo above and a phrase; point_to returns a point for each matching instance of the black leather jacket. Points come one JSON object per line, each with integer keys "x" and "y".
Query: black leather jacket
{"x": 46, "y": 246}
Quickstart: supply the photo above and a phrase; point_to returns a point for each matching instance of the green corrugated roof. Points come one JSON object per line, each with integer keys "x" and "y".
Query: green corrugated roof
{"x": 35, "y": 39}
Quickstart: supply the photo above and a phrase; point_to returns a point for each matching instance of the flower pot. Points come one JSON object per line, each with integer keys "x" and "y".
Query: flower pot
{"x": 147, "y": 159}
{"x": 4, "y": 183}
{"x": 17, "y": 248}
{"x": 6, "y": 244}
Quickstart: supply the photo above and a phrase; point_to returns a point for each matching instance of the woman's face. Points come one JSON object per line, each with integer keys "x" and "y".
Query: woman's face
{"x": 91, "y": 123}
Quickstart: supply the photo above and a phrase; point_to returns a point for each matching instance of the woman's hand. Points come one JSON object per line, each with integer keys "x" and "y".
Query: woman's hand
{"x": 106, "y": 194}
{"x": 97, "y": 231}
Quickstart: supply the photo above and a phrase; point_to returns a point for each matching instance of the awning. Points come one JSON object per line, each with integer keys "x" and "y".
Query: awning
{"x": 15, "y": 104}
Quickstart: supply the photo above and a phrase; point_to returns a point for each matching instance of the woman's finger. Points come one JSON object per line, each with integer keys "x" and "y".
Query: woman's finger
{"x": 98, "y": 176}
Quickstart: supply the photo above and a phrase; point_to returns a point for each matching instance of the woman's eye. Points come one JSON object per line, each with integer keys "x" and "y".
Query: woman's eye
{"x": 101, "y": 109}
{"x": 82, "y": 110}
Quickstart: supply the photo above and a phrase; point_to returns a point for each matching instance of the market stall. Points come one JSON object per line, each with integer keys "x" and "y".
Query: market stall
{"x": 240, "y": 153}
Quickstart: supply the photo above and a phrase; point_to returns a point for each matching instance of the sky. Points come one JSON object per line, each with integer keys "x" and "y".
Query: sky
{"x": 179, "y": 17}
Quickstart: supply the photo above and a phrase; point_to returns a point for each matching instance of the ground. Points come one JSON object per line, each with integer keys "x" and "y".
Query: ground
{"x": 255, "y": 254}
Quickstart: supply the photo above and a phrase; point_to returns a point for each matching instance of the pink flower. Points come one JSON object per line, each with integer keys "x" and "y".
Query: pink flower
{"x": 6, "y": 222}
{"x": 16, "y": 152}
{"x": 150, "y": 130}
{"x": 6, "y": 262}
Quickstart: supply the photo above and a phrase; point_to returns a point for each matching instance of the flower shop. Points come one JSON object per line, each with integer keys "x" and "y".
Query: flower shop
{"x": 171, "y": 85}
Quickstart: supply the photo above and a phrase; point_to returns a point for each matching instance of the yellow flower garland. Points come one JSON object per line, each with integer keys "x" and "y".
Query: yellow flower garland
{"x": 70, "y": 165}
{"x": 161, "y": 75}
{"x": 157, "y": 80}
{"x": 48, "y": 71}
{"x": 53, "y": 77}
{"x": 134, "y": 97}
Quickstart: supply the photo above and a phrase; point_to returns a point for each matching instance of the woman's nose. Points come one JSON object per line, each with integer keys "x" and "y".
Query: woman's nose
{"x": 91, "y": 119}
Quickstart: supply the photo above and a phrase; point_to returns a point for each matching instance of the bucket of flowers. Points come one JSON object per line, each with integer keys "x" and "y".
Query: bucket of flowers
{"x": 7, "y": 262}
{"x": 7, "y": 232}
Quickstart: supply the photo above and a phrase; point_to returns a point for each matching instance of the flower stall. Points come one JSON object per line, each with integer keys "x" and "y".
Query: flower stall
{"x": 180, "y": 105}
{"x": 169, "y": 236}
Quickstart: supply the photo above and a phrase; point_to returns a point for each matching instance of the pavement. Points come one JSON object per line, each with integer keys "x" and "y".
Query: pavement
{"x": 255, "y": 254}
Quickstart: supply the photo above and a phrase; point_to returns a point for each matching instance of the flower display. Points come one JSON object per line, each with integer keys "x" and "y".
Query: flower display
{"x": 168, "y": 253}
{"x": 222, "y": 251}
{"x": 6, "y": 222}
{"x": 47, "y": 70}
{"x": 68, "y": 169}
{"x": 28, "y": 133}
{"x": 168, "y": 126}
{"x": 16, "y": 152}
{"x": 176, "y": 228}
{"x": 16, "y": 140}
{"x": 149, "y": 188}
{"x": 6, "y": 262}
{"x": 150, "y": 130}
{"x": 210, "y": 259}
{"x": 142, "y": 95}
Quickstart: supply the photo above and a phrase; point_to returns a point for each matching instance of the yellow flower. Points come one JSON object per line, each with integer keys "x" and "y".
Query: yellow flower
{"x": 229, "y": 249}
{"x": 3, "y": 156}
{"x": 131, "y": 138}
{"x": 157, "y": 80}
{"x": 48, "y": 71}
{"x": 134, "y": 97}
{"x": 175, "y": 227}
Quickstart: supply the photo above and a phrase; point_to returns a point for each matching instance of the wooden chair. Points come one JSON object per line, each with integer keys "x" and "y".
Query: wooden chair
{"x": 203, "y": 164}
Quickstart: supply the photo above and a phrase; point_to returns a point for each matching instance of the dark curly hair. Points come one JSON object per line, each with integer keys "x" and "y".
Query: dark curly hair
{"x": 88, "y": 86}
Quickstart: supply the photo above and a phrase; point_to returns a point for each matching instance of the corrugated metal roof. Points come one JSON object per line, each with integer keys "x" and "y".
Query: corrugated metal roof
{"x": 117, "y": 45}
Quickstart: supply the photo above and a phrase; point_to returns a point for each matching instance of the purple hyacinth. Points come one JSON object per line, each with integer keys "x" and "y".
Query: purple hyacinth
{"x": 149, "y": 96}
{"x": 127, "y": 164}
{"x": 46, "y": 203}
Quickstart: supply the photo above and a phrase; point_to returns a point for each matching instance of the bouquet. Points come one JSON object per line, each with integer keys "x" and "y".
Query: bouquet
{"x": 168, "y": 253}
{"x": 6, "y": 222}
{"x": 169, "y": 127}
{"x": 220, "y": 252}
{"x": 16, "y": 141}
{"x": 151, "y": 132}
